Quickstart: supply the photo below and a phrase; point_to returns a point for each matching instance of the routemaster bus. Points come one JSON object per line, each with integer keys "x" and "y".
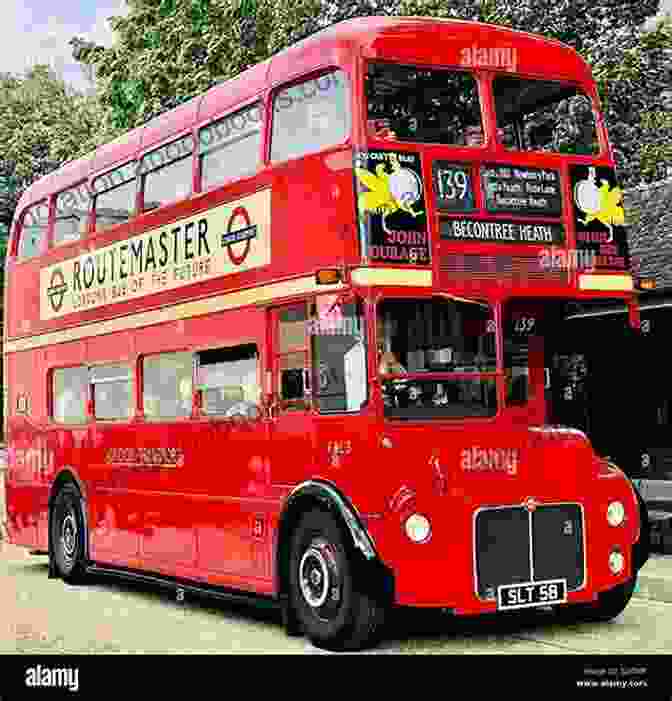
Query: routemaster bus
{"x": 294, "y": 338}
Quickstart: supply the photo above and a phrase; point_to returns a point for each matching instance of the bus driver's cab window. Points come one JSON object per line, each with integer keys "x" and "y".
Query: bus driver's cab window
{"x": 450, "y": 341}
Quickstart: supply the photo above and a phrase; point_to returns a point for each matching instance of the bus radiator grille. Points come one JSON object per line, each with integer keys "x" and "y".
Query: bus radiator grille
{"x": 506, "y": 537}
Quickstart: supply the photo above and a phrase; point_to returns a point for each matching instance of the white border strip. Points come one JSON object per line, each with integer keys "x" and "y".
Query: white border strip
{"x": 184, "y": 310}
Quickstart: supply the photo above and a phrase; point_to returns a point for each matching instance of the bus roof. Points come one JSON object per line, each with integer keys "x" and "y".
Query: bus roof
{"x": 416, "y": 40}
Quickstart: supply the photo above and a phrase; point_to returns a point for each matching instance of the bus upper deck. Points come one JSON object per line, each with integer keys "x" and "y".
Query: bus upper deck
{"x": 473, "y": 157}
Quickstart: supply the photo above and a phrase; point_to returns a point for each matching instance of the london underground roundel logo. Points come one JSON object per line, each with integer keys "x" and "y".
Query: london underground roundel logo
{"x": 233, "y": 235}
{"x": 57, "y": 289}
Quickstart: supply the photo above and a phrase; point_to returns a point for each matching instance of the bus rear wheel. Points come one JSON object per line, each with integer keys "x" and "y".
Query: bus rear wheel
{"x": 609, "y": 604}
{"x": 67, "y": 536}
{"x": 329, "y": 605}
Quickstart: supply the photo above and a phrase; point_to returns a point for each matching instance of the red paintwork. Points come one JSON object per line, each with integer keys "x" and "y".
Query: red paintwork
{"x": 198, "y": 520}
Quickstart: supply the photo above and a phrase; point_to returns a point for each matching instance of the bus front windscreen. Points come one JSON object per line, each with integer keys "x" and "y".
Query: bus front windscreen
{"x": 435, "y": 106}
{"x": 538, "y": 115}
{"x": 436, "y": 358}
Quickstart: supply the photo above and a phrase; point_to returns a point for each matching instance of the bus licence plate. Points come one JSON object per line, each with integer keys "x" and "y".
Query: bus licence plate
{"x": 528, "y": 594}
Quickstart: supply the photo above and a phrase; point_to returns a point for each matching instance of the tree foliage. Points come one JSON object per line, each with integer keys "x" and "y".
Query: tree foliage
{"x": 170, "y": 50}
{"x": 43, "y": 123}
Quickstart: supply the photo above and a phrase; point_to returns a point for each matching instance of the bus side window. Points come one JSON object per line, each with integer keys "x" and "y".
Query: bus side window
{"x": 310, "y": 116}
{"x": 293, "y": 350}
{"x": 167, "y": 385}
{"x": 114, "y": 201}
{"x": 72, "y": 215}
{"x": 112, "y": 391}
{"x": 33, "y": 231}
{"x": 229, "y": 381}
{"x": 70, "y": 393}
{"x": 167, "y": 173}
{"x": 231, "y": 147}
{"x": 339, "y": 355}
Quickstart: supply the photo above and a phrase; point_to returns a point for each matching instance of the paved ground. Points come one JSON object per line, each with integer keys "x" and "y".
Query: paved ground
{"x": 655, "y": 579}
{"x": 40, "y": 615}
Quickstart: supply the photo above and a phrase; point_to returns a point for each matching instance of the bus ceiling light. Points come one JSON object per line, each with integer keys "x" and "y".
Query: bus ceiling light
{"x": 615, "y": 513}
{"x": 616, "y": 561}
{"x": 417, "y": 528}
{"x": 328, "y": 276}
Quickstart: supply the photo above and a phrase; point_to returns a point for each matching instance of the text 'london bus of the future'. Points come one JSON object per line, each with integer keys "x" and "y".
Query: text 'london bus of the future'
{"x": 299, "y": 338}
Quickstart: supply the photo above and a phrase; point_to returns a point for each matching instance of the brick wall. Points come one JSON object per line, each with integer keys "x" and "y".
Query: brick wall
{"x": 648, "y": 211}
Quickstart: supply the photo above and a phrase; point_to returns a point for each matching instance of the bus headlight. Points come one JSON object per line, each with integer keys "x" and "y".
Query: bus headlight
{"x": 616, "y": 561}
{"x": 615, "y": 513}
{"x": 417, "y": 528}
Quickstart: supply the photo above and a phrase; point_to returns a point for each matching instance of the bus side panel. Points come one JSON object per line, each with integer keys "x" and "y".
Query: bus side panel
{"x": 29, "y": 456}
{"x": 228, "y": 484}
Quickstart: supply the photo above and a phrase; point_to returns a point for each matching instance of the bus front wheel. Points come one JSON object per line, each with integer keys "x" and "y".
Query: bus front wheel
{"x": 324, "y": 593}
{"x": 67, "y": 536}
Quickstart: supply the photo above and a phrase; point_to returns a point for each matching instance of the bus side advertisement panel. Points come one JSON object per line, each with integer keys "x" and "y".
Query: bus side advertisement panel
{"x": 391, "y": 207}
{"x": 227, "y": 239}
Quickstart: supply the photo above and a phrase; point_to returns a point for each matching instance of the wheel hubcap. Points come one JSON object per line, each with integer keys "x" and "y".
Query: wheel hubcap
{"x": 69, "y": 538}
{"x": 314, "y": 577}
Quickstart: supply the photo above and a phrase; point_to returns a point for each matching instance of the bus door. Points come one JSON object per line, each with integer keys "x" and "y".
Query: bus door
{"x": 290, "y": 416}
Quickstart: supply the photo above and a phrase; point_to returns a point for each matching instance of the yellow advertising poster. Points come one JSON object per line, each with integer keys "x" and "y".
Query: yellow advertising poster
{"x": 230, "y": 238}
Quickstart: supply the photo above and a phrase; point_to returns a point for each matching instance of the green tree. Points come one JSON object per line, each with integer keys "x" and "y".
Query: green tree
{"x": 167, "y": 51}
{"x": 43, "y": 123}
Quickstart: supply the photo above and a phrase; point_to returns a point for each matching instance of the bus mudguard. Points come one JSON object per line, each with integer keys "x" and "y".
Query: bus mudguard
{"x": 328, "y": 495}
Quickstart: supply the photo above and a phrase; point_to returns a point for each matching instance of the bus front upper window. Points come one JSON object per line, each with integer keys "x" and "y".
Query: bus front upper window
{"x": 537, "y": 115}
{"x": 436, "y": 106}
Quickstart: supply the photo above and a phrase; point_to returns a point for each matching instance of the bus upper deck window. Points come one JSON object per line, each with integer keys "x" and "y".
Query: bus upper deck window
{"x": 310, "y": 116}
{"x": 437, "y": 106}
{"x": 72, "y": 215}
{"x": 115, "y": 196}
{"x": 537, "y": 115}
{"x": 167, "y": 173}
{"x": 33, "y": 231}
{"x": 231, "y": 147}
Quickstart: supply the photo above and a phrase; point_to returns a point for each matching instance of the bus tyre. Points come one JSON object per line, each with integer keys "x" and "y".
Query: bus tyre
{"x": 609, "y": 604}
{"x": 323, "y": 590}
{"x": 67, "y": 536}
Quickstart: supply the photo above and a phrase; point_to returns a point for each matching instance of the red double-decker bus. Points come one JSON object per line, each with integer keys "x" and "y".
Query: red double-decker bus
{"x": 297, "y": 338}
